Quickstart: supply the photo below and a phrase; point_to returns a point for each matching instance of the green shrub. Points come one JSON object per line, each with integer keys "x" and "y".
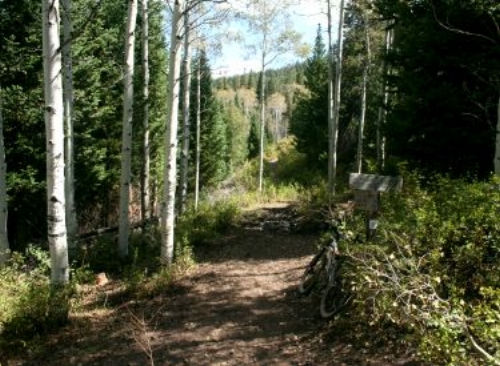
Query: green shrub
{"x": 29, "y": 305}
{"x": 434, "y": 268}
{"x": 206, "y": 223}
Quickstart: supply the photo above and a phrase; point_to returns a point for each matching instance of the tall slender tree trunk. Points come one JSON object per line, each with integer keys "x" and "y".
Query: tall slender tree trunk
{"x": 359, "y": 155}
{"x": 71, "y": 219}
{"x": 262, "y": 119}
{"x": 198, "y": 138}
{"x": 126, "y": 158}
{"x": 168, "y": 207}
{"x": 382, "y": 111}
{"x": 497, "y": 145}
{"x": 366, "y": 69}
{"x": 331, "y": 103}
{"x": 338, "y": 84}
{"x": 54, "y": 130}
{"x": 186, "y": 116}
{"x": 146, "y": 161}
{"x": 4, "y": 240}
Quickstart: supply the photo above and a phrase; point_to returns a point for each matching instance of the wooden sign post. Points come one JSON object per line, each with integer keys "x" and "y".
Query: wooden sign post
{"x": 367, "y": 189}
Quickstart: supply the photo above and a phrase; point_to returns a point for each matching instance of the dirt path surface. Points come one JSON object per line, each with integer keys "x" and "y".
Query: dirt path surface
{"x": 239, "y": 306}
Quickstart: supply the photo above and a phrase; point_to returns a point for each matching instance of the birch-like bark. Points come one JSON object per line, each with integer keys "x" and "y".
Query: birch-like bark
{"x": 4, "y": 240}
{"x": 338, "y": 83}
{"x": 186, "y": 116}
{"x": 366, "y": 69}
{"x": 382, "y": 111}
{"x": 362, "y": 118}
{"x": 71, "y": 220}
{"x": 497, "y": 142}
{"x": 168, "y": 206}
{"x": 146, "y": 161}
{"x": 126, "y": 157}
{"x": 331, "y": 145}
{"x": 262, "y": 121}
{"x": 198, "y": 137}
{"x": 54, "y": 129}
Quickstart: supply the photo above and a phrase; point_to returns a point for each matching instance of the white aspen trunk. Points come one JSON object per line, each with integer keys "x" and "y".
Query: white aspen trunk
{"x": 359, "y": 156}
{"x": 126, "y": 157}
{"x": 4, "y": 240}
{"x": 338, "y": 83}
{"x": 331, "y": 145}
{"x": 497, "y": 142}
{"x": 54, "y": 129}
{"x": 382, "y": 111}
{"x": 146, "y": 161}
{"x": 170, "y": 179}
{"x": 262, "y": 121}
{"x": 198, "y": 139}
{"x": 186, "y": 116}
{"x": 71, "y": 219}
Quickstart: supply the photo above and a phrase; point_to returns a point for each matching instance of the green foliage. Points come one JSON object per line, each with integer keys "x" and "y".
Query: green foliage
{"x": 97, "y": 65}
{"x": 309, "y": 122}
{"x": 237, "y": 135}
{"x": 24, "y": 135}
{"x": 205, "y": 224}
{"x": 446, "y": 71}
{"x": 254, "y": 137}
{"x": 29, "y": 305}
{"x": 433, "y": 268}
{"x": 215, "y": 144}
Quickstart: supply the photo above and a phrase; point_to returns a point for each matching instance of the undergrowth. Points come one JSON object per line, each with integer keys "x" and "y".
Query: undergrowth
{"x": 432, "y": 269}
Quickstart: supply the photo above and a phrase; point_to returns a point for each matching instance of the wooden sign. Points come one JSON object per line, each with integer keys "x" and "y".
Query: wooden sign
{"x": 375, "y": 183}
{"x": 366, "y": 200}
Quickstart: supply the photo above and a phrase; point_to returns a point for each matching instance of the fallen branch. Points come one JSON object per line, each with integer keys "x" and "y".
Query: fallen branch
{"x": 107, "y": 230}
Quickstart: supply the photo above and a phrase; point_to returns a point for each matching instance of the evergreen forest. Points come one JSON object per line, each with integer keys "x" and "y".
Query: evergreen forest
{"x": 125, "y": 159}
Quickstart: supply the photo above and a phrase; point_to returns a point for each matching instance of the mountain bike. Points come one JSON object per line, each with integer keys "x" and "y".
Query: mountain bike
{"x": 325, "y": 272}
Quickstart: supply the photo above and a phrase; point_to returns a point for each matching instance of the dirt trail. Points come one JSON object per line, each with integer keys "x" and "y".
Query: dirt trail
{"x": 238, "y": 307}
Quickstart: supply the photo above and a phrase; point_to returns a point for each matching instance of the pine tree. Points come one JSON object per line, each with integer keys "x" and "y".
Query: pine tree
{"x": 253, "y": 137}
{"x": 309, "y": 122}
{"x": 316, "y": 66}
{"x": 214, "y": 143}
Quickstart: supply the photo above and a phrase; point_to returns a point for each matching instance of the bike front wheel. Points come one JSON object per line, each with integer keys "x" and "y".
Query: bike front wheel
{"x": 311, "y": 275}
{"x": 335, "y": 298}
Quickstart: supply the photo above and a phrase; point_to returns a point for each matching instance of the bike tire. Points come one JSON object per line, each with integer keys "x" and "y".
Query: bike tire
{"x": 334, "y": 299}
{"x": 311, "y": 275}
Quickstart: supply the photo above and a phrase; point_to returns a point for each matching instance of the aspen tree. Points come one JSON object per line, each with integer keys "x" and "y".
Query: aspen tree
{"x": 382, "y": 111}
{"x": 331, "y": 103}
{"x": 334, "y": 120}
{"x": 170, "y": 175}
{"x": 186, "y": 109}
{"x": 364, "y": 85}
{"x": 71, "y": 220}
{"x": 198, "y": 137}
{"x": 146, "y": 160}
{"x": 126, "y": 156}
{"x": 497, "y": 142}
{"x": 275, "y": 37}
{"x": 54, "y": 129}
{"x": 4, "y": 241}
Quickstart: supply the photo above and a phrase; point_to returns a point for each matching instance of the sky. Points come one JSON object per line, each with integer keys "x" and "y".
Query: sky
{"x": 234, "y": 58}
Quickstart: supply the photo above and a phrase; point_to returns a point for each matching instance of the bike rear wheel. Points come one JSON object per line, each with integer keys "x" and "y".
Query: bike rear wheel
{"x": 311, "y": 275}
{"x": 335, "y": 298}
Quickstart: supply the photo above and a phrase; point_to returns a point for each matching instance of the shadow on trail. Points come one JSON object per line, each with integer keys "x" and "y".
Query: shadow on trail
{"x": 235, "y": 319}
{"x": 247, "y": 245}
{"x": 238, "y": 307}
